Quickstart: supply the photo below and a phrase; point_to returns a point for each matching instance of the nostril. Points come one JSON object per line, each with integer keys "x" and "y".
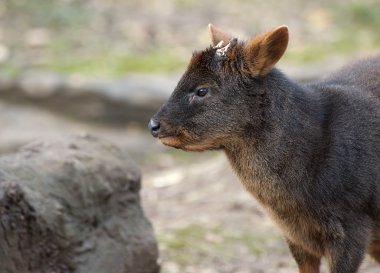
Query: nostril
{"x": 154, "y": 127}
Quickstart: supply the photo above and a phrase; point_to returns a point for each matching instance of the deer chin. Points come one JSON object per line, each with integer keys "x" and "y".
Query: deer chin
{"x": 171, "y": 141}
{"x": 196, "y": 148}
{"x": 175, "y": 142}
{"x": 186, "y": 143}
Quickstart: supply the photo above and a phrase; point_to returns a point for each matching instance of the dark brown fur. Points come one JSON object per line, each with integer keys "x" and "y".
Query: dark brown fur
{"x": 310, "y": 154}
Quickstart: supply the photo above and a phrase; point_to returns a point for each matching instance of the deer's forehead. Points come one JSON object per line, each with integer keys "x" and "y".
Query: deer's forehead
{"x": 228, "y": 61}
{"x": 202, "y": 60}
{"x": 198, "y": 75}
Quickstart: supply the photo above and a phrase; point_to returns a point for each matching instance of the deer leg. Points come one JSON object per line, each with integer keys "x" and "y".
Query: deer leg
{"x": 307, "y": 263}
{"x": 344, "y": 255}
{"x": 374, "y": 252}
{"x": 374, "y": 248}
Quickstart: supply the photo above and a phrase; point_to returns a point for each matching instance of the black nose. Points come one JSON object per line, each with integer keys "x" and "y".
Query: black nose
{"x": 154, "y": 127}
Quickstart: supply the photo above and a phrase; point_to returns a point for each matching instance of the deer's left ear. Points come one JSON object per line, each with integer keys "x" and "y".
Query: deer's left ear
{"x": 265, "y": 50}
{"x": 218, "y": 37}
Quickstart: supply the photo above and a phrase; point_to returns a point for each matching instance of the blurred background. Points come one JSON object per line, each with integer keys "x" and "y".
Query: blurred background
{"x": 104, "y": 67}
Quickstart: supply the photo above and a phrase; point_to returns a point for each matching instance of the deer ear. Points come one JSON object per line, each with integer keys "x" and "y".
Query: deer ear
{"x": 265, "y": 50}
{"x": 218, "y": 37}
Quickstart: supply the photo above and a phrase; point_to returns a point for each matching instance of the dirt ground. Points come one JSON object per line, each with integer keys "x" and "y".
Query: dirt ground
{"x": 207, "y": 223}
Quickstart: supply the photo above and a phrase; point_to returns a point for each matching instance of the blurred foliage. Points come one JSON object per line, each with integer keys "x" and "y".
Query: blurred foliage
{"x": 53, "y": 14}
{"x": 114, "y": 37}
{"x": 358, "y": 24}
{"x": 113, "y": 64}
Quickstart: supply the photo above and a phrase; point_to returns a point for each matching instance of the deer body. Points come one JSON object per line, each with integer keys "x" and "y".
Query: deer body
{"x": 298, "y": 170}
{"x": 310, "y": 154}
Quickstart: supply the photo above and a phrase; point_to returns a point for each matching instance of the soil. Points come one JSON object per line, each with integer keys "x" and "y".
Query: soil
{"x": 203, "y": 195}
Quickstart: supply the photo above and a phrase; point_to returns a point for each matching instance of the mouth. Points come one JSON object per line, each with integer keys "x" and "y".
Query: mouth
{"x": 171, "y": 141}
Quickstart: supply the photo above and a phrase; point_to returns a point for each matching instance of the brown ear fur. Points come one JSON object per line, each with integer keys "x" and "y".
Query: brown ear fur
{"x": 218, "y": 35}
{"x": 265, "y": 50}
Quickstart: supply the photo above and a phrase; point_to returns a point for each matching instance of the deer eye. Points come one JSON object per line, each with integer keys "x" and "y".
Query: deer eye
{"x": 201, "y": 92}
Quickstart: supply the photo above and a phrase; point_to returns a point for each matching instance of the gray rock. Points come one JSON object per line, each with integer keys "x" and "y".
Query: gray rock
{"x": 40, "y": 85}
{"x": 72, "y": 205}
{"x": 106, "y": 101}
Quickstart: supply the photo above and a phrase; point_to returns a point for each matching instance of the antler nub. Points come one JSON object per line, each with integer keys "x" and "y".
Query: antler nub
{"x": 219, "y": 45}
{"x": 221, "y": 51}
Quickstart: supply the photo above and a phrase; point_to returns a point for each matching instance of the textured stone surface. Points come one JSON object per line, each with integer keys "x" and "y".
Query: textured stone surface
{"x": 72, "y": 205}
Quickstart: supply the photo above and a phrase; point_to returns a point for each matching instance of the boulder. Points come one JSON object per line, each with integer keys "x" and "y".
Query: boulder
{"x": 72, "y": 205}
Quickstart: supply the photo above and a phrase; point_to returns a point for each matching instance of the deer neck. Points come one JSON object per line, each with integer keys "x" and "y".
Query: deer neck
{"x": 275, "y": 164}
